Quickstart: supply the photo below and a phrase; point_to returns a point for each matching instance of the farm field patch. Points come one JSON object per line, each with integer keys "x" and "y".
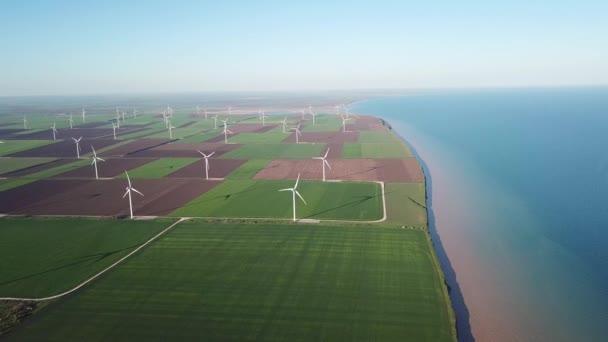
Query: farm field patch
{"x": 376, "y": 150}
{"x": 276, "y": 151}
{"x": 264, "y": 282}
{"x": 160, "y": 167}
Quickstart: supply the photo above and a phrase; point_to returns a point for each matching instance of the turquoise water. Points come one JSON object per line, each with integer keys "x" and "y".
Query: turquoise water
{"x": 523, "y": 213}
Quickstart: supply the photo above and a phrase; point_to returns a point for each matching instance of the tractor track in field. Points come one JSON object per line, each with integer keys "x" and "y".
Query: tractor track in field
{"x": 95, "y": 276}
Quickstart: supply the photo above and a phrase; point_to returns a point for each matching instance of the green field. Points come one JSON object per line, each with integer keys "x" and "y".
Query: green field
{"x": 200, "y": 136}
{"x": 13, "y": 146}
{"x": 252, "y": 282}
{"x": 380, "y": 150}
{"x": 323, "y": 123}
{"x": 406, "y": 203}
{"x": 261, "y": 199}
{"x": 14, "y": 164}
{"x": 249, "y": 169}
{"x": 275, "y": 151}
{"x": 258, "y": 138}
{"x": 378, "y": 137}
{"x": 160, "y": 167}
{"x": 43, "y": 257}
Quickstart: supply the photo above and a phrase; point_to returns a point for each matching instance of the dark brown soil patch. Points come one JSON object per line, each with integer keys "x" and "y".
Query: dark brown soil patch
{"x": 134, "y": 147}
{"x": 37, "y": 168}
{"x": 65, "y": 148}
{"x": 109, "y": 168}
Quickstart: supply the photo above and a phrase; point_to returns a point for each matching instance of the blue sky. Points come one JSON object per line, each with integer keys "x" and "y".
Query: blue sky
{"x": 88, "y": 47}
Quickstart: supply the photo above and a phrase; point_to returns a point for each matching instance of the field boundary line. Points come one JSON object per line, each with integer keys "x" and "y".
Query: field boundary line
{"x": 99, "y": 273}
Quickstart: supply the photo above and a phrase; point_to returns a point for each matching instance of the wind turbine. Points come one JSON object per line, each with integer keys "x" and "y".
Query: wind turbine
{"x": 215, "y": 121}
{"x": 94, "y": 163}
{"x": 117, "y": 114}
{"x": 170, "y": 130}
{"x": 313, "y": 117}
{"x": 165, "y": 118}
{"x": 71, "y": 121}
{"x": 123, "y": 115}
{"x": 83, "y": 114}
{"x": 24, "y": 122}
{"x": 344, "y": 123}
{"x": 198, "y": 110}
{"x": 297, "y": 129}
{"x": 206, "y": 162}
{"x": 117, "y": 122}
{"x": 114, "y": 129}
{"x": 347, "y": 111}
{"x": 303, "y": 112}
{"x": 129, "y": 189}
{"x": 77, "y": 141}
{"x": 324, "y": 159}
{"x": 134, "y": 113}
{"x": 337, "y": 109}
{"x": 294, "y": 192}
{"x": 263, "y": 118}
{"x": 205, "y": 111}
{"x": 226, "y": 131}
{"x": 54, "y": 128}
{"x": 284, "y": 122}
{"x": 229, "y": 109}
{"x": 310, "y": 109}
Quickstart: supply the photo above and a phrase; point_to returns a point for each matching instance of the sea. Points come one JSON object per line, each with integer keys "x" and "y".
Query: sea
{"x": 517, "y": 186}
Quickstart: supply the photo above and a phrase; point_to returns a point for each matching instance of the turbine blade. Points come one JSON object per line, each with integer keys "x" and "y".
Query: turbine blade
{"x": 302, "y": 198}
{"x": 326, "y": 163}
{"x": 326, "y": 153}
{"x": 287, "y": 189}
{"x": 128, "y": 179}
{"x": 103, "y": 160}
{"x": 126, "y": 193}
{"x": 297, "y": 181}
{"x": 137, "y": 191}
{"x": 211, "y": 154}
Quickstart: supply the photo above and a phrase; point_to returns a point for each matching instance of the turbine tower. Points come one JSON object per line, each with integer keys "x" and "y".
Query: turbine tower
{"x": 129, "y": 189}
{"x": 226, "y": 131}
{"x": 24, "y": 122}
{"x": 284, "y": 122}
{"x": 83, "y": 114}
{"x": 263, "y": 118}
{"x": 134, "y": 113}
{"x": 294, "y": 192}
{"x": 77, "y": 141}
{"x": 71, "y": 121}
{"x": 314, "y": 115}
{"x": 94, "y": 163}
{"x": 324, "y": 159}
{"x": 54, "y": 128}
{"x": 298, "y": 133}
{"x": 206, "y": 162}
{"x": 170, "y": 130}
{"x": 344, "y": 123}
{"x": 215, "y": 121}
{"x": 114, "y": 129}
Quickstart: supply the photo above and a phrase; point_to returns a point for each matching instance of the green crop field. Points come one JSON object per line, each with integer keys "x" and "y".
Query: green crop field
{"x": 160, "y": 167}
{"x": 405, "y": 203}
{"x": 258, "y": 138}
{"x": 13, "y": 164}
{"x": 46, "y": 256}
{"x": 261, "y": 199}
{"x": 13, "y": 146}
{"x": 249, "y": 169}
{"x": 275, "y": 151}
{"x": 323, "y": 123}
{"x": 10, "y": 183}
{"x": 251, "y": 282}
{"x": 381, "y": 150}
{"x": 378, "y": 137}
{"x": 200, "y": 136}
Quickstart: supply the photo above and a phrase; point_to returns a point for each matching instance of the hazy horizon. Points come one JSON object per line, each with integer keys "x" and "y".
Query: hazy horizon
{"x": 74, "y": 48}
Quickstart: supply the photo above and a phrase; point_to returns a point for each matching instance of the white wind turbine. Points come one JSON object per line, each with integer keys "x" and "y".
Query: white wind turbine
{"x": 205, "y": 111}
{"x": 226, "y": 131}
{"x": 166, "y": 118}
{"x": 129, "y": 189}
{"x": 83, "y": 112}
{"x": 134, "y": 113}
{"x": 324, "y": 159}
{"x": 344, "y": 123}
{"x": 117, "y": 114}
{"x": 114, "y": 129}
{"x": 77, "y": 142}
{"x": 347, "y": 111}
{"x": 170, "y": 127}
{"x": 314, "y": 115}
{"x": 229, "y": 109}
{"x": 122, "y": 112}
{"x": 206, "y": 162}
{"x": 303, "y": 112}
{"x": 309, "y": 109}
{"x": 215, "y": 121}
{"x": 117, "y": 122}
{"x": 338, "y": 109}
{"x": 94, "y": 162}
{"x": 263, "y": 118}
{"x": 198, "y": 110}
{"x": 54, "y": 128}
{"x": 294, "y": 192}
{"x": 71, "y": 121}
{"x": 298, "y": 133}
{"x": 284, "y": 122}
{"x": 24, "y": 122}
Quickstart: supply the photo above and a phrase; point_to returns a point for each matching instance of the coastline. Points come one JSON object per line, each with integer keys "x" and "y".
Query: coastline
{"x": 458, "y": 312}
